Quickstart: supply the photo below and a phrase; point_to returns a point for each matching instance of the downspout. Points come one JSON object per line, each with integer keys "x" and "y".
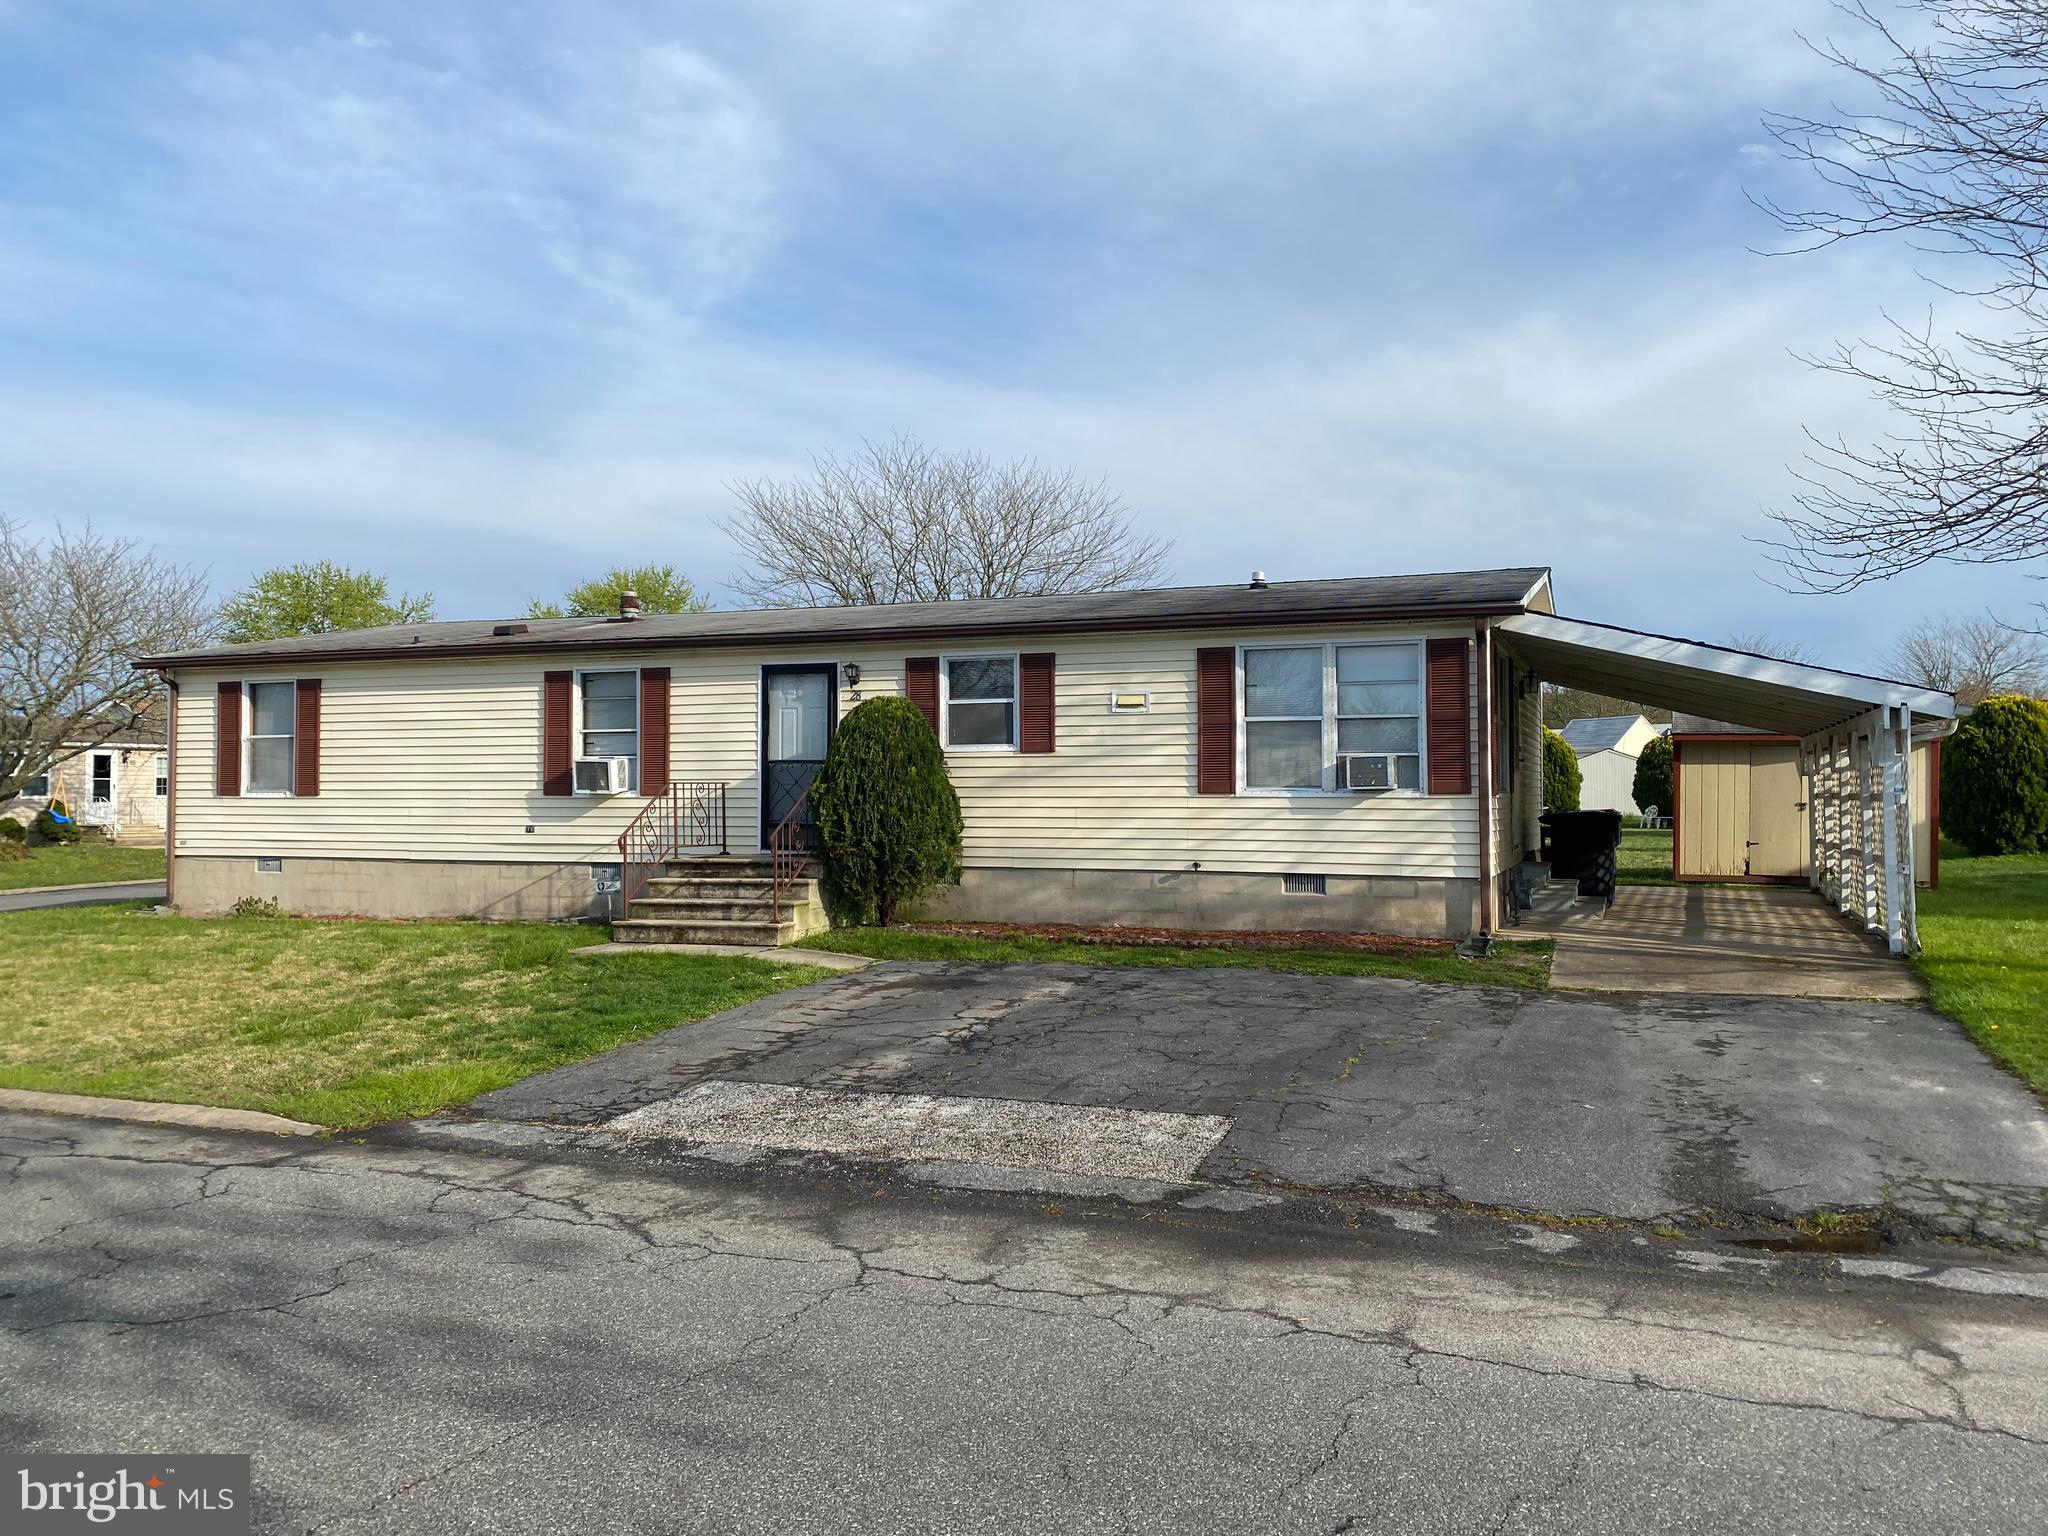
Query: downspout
{"x": 1482, "y": 646}
{"x": 170, "y": 792}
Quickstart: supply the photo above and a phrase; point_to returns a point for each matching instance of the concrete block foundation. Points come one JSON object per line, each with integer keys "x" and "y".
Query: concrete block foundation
{"x": 1196, "y": 899}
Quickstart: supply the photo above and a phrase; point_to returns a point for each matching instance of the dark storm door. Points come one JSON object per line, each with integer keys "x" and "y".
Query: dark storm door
{"x": 799, "y": 707}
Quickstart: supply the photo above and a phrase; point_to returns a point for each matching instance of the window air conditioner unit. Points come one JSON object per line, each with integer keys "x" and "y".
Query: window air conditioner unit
{"x": 1365, "y": 770}
{"x": 601, "y": 775}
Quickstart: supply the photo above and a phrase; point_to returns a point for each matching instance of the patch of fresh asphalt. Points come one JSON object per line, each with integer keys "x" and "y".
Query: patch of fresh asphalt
{"x": 83, "y": 895}
{"x": 1729, "y": 1110}
{"x": 409, "y": 1339}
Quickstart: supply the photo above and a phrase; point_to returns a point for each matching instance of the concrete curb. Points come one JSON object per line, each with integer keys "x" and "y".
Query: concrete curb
{"x": 831, "y": 960}
{"x": 203, "y": 1117}
{"x": 90, "y": 885}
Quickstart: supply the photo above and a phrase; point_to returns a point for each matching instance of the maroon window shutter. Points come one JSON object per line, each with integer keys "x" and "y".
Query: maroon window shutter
{"x": 1448, "y": 701}
{"x": 921, "y": 687}
{"x": 1216, "y": 720}
{"x": 306, "y": 737}
{"x": 557, "y": 774}
{"x": 654, "y": 726}
{"x": 1034, "y": 702}
{"x": 227, "y": 740}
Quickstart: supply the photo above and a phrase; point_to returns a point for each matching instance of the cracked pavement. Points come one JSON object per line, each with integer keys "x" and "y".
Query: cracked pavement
{"x": 1642, "y": 1108}
{"x": 409, "y": 1338}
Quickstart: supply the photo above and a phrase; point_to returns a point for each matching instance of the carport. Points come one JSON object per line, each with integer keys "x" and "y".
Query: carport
{"x": 1855, "y": 742}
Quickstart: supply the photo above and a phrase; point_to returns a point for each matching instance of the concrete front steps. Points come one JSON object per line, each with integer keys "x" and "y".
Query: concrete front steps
{"x": 727, "y": 900}
{"x": 1556, "y": 903}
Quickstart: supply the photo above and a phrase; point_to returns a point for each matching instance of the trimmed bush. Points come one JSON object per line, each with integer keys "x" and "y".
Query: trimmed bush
{"x": 13, "y": 831}
{"x": 1653, "y": 784}
{"x": 49, "y": 829}
{"x": 1561, "y": 775}
{"x": 1994, "y": 777}
{"x": 888, "y": 820}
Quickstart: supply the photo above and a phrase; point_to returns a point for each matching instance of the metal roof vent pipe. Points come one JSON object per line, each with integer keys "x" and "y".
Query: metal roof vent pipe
{"x": 629, "y": 605}
{"x": 1258, "y": 581}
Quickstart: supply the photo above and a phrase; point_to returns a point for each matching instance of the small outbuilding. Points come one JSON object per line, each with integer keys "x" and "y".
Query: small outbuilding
{"x": 1742, "y": 809}
{"x": 1608, "y": 746}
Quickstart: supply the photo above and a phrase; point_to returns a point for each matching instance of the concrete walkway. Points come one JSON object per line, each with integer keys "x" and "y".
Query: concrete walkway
{"x": 83, "y": 895}
{"x": 1729, "y": 941}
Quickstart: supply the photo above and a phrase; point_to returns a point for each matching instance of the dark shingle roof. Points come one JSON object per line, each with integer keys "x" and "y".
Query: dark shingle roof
{"x": 1283, "y": 602}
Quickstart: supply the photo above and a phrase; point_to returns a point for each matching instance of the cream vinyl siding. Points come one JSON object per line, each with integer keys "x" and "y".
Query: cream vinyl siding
{"x": 441, "y": 760}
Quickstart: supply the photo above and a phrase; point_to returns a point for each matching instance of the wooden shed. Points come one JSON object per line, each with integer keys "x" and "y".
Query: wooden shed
{"x": 1741, "y": 806}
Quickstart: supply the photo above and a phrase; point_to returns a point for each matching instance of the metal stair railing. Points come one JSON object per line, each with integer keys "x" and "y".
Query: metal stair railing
{"x": 688, "y": 816}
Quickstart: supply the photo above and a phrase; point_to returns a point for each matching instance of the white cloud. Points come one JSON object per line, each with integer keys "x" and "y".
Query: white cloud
{"x": 418, "y": 186}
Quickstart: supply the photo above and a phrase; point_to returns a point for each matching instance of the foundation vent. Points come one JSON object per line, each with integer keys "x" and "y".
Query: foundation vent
{"x": 1305, "y": 885}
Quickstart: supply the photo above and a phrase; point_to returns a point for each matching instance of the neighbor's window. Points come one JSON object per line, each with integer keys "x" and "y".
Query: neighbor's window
{"x": 163, "y": 774}
{"x": 1307, "y": 705}
{"x": 268, "y": 759}
{"x": 981, "y": 702}
{"x": 37, "y": 788}
{"x": 611, "y": 720}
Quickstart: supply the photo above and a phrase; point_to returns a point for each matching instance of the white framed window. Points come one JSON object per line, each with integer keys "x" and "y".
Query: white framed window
{"x": 1305, "y": 706}
{"x": 163, "y": 775}
{"x": 269, "y": 706}
{"x": 608, "y": 718}
{"x": 978, "y": 703}
{"x": 37, "y": 788}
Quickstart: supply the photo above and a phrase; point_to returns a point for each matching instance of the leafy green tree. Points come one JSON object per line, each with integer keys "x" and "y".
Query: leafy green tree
{"x": 316, "y": 597}
{"x": 660, "y": 588}
{"x": 1653, "y": 785}
{"x": 1561, "y": 775}
{"x": 888, "y": 819}
{"x": 1994, "y": 777}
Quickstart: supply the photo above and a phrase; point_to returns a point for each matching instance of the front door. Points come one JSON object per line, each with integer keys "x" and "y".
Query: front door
{"x": 798, "y": 710}
{"x": 101, "y": 810}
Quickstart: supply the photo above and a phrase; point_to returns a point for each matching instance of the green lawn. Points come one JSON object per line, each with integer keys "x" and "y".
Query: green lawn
{"x": 1644, "y": 857}
{"x": 341, "y": 1023}
{"x": 80, "y": 864}
{"x": 1514, "y": 965}
{"x": 1984, "y": 952}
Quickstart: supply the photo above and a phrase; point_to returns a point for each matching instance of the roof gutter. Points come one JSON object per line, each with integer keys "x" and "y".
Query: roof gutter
{"x": 640, "y": 640}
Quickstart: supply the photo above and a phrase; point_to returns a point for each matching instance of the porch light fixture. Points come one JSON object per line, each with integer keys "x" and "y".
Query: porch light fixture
{"x": 850, "y": 672}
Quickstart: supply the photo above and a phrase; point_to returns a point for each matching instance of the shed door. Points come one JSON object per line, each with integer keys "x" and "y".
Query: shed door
{"x": 1777, "y": 811}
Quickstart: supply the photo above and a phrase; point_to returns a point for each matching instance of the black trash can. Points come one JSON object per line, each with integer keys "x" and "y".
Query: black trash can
{"x": 1583, "y": 845}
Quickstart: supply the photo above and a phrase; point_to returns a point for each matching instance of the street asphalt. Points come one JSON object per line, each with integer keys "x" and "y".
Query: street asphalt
{"x": 411, "y": 1339}
{"x": 1643, "y": 1108}
{"x": 83, "y": 895}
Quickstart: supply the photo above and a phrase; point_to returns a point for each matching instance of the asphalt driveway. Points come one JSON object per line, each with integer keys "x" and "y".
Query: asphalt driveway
{"x": 1636, "y": 1107}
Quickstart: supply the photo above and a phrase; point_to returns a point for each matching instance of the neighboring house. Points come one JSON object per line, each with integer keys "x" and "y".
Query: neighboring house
{"x": 1608, "y": 746}
{"x": 1345, "y": 754}
{"x": 121, "y": 785}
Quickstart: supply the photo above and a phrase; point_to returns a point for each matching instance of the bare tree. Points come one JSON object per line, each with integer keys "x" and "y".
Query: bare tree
{"x": 1762, "y": 643}
{"x": 1953, "y": 157}
{"x": 1971, "y": 657}
{"x": 75, "y": 611}
{"x": 899, "y": 522}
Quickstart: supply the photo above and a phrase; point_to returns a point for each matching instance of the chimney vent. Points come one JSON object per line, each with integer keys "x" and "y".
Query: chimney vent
{"x": 502, "y": 630}
{"x": 1258, "y": 581}
{"x": 629, "y": 604}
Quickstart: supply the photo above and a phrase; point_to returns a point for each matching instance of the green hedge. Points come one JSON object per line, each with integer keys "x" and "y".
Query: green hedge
{"x": 1994, "y": 777}
{"x": 1653, "y": 783}
{"x": 1561, "y": 776}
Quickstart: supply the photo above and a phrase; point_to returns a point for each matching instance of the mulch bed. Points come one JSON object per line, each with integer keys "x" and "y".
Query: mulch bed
{"x": 1185, "y": 938}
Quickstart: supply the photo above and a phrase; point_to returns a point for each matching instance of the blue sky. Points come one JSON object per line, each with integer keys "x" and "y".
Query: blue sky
{"x": 490, "y": 296}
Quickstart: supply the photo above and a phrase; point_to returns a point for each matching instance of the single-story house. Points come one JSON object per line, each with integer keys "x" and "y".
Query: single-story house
{"x": 120, "y": 785}
{"x": 1742, "y": 805}
{"x": 1339, "y": 754}
{"x": 1607, "y": 747}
